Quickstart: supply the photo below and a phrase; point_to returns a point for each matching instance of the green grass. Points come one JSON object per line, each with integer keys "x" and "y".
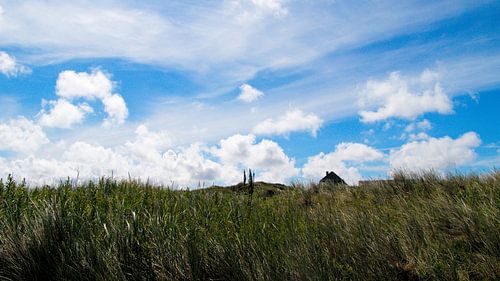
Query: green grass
{"x": 422, "y": 227}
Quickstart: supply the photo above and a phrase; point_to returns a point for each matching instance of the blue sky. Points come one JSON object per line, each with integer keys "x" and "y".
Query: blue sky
{"x": 190, "y": 92}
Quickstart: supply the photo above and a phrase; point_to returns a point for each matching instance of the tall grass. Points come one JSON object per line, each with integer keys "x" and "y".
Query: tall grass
{"x": 423, "y": 227}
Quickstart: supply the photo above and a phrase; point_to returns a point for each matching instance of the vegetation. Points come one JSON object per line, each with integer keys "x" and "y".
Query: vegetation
{"x": 424, "y": 227}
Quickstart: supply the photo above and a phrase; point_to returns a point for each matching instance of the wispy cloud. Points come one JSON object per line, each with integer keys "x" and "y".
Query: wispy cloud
{"x": 10, "y": 67}
{"x": 230, "y": 39}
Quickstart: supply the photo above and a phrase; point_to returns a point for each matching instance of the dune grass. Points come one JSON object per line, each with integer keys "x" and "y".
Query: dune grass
{"x": 423, "y": 227}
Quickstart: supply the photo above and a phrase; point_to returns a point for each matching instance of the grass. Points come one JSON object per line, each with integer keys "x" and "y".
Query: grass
{"x": 418, "y": 227}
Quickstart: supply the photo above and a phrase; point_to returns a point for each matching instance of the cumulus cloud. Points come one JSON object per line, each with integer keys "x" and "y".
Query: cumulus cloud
{"x": 95, "y": 84}
{"x": 148, "y": 145}
{"x": 150, "y": 155}
{"x": 249, "y": 93}
{"x": 396, "y": 99}
{"x": 73, "y": 85}
{"x": 21, "y": 135}
{"x": 435, "y": 153}
{"x": 95, "y": 160}
{"x": 175, "y": 167}
{"x": 63, "y": 114}
{"x": 191, "y": 166}
{"x": 266, "y": 157}
{"x": 38, "y": 170}
{"x": 9, "y": 66}
{"x": 116, "y": 108}
{"x": 293, "y": 121}
{"x": 342, "y": 160}
{"x": 356, "y": 152}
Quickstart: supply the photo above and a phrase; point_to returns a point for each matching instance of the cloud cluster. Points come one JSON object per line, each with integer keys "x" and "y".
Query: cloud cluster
{"x": 435, "y": 153}
{"x": 395, "y": 98}
{"x": 21, "y": 135}
{"x": 293, "y": 121}
{"x": 9, "y": 66}
{"x": 71, "y": 86}
{"x": 343, "y": 160}
{"x": 249, "y": 94}
{"x": 149, "y": 154}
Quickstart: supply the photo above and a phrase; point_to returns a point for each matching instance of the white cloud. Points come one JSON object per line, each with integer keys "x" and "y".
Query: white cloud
{"x": 148, "y": 145}
{"x": 343, "y": 161}
{"x": 63, "y": 114}
{"x": 21, "y": 135}
{"x": 249, "y": 93}
{"x": 266, "y": 157}
{"x": 116, "y": 108}
{"x": 293, "y": 121}
{"x": 182, "y": 167}
{"x": 356, "y": 152}
{"x": 419, "y": 136}
{"x": 435, "y": 153}
{"x": 71, "y": 84}
{"x": 234, "y": 149}
{"x": 93, "y": 161}
{"x": 396, "y": 100}
{"x": 39, "y": 170}
{"x": 423, "y": 125}
{"x": 9, "y": 66}
{"x": 191, "y": 166}
{"x": 151, "y": 155}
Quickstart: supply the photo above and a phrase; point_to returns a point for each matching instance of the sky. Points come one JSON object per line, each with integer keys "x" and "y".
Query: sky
{"x": 191, "y": 93}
